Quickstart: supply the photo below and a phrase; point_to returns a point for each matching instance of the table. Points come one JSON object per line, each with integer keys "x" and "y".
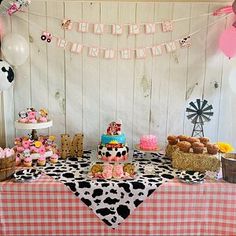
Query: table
{"x": 47, "y": 207}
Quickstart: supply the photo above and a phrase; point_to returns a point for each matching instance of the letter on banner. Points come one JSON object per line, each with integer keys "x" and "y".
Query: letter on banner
{"x": 125, "y": 53}
{"x": 93, "y": 52}
{"x": 140, "y": 53}
{"x": 76, "y": 48}
{"x": 98, "y": 28}
{"x": 150, "y": 28}
{"x": 170, "y": 47}
{"x": 61, "y": 43}
{"x": 109, "y": 54}
{"x": 133, "y": 29}
{"x": 167, "y": 26}
{"x": 117, "y": 29}
{"x": 83, "y": 27}
{"x": 156, "y": 50}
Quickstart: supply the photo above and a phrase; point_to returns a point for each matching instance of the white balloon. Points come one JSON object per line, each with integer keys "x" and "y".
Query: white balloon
{"x": 15, "y": 49}
{"x": 6, "y": 75}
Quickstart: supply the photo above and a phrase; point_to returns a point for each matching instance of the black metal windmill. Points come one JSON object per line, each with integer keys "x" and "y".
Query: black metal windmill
{"x": 199, "y": 112}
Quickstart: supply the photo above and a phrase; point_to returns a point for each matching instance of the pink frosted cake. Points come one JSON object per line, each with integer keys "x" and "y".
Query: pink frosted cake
{"x": 148, "y": 142}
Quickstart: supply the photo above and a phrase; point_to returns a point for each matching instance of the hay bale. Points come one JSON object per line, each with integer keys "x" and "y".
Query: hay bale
{"x": 170, "y": 149}
{"x": 195, "y": 162}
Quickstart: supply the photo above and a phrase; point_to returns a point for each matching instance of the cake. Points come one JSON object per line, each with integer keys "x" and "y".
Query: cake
{"x": 148, "y": 142}
{"x": 112, "y": 171}
{"x": 113, "y": 145}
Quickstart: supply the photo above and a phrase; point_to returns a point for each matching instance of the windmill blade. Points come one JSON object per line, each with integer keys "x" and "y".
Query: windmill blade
{"x": 208, "y": 108}
{"x": 198, "y": 104}
{"x": 204, "y": 102}
{"x": 206, "y": 118}
{"x": 193, "y": 105}
{"x": 208, "y": 113}
{"x": 191, "y": 115}
{"x": 190, "y": 110}
{"x": 194, "y": 120}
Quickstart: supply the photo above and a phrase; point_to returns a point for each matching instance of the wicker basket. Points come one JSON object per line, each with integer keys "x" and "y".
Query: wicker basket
{"x": 7, "y": 167}
{"x": 229, "y": 167}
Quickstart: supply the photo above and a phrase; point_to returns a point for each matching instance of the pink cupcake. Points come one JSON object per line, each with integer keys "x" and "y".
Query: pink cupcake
{"x": 41, "y": 161}
{"x": 54, "y": 159}
{"x": 118, "y": 171}
{"x": 28, "y": 162}
{"x": 107, "y": 171}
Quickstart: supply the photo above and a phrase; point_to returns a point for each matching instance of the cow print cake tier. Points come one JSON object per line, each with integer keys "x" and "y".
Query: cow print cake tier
{"x": 113, "y": 145}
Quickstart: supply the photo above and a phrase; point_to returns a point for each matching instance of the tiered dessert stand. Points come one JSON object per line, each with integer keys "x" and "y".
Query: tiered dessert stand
{"x": 34, "y": 127}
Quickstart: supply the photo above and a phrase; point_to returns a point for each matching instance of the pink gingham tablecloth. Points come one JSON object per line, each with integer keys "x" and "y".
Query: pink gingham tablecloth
{"x": 47, "y": 207}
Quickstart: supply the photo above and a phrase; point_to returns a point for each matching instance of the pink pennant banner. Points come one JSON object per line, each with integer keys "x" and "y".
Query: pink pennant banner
{"x": 98, "y": 28}
{"x": 171, "y": 47}
{"x": 140, "y": 53}
{"x": 134, "y": 29}
{"x": 109, "y": 53}
{"x": 76, "y": 48}
{"x": 150, "y": 28}
{"x": 83, "y": 27}
{"x": 61, "y": 43}
{"x": 125, "y": 53}
{"x": 117, "y": 29}
{"x": 156, "y": 50}
{"x": 167, "y": 26}
{"x": 93, "y": 52}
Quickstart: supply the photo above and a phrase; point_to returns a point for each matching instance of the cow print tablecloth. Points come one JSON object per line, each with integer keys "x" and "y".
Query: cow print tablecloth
{"x": 111, "y": 200}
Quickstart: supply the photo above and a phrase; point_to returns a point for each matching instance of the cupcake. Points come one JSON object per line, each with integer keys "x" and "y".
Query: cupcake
{"x": 198, "y": 147}
{"x": 192, "y": 140}
{"x": 183, "y": 137}
{"x": 54, "y": 158}
{"x": 184, "y": 146}
{"x": 41, "y": 161}
{"x": 204, "y": 140}
{"x": 212, "y": 148}
{"x": 172, "y": 140}
{"x": 107, "y": 171}
{"x": 118, "y": 171}
{"x": 129, "y": 168}
{"x": 28, "y": 162}
{"x": 96, "y": 168}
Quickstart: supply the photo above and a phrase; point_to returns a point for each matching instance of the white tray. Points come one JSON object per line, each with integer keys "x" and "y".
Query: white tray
{"x": 39, "y": 125}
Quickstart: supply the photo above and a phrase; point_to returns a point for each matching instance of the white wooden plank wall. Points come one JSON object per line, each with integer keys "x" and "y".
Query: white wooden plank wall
{"x": 84, "y": 94}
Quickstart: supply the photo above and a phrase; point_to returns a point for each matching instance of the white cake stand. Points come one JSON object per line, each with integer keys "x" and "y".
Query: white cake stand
{"x": 33, "y": 127}
{"x": 147, "y": 152}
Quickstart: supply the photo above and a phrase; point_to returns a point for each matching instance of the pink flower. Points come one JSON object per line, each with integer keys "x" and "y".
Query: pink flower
{"x": 20, "y": 149}
{"x": 26, "y": 144}
{"x": 42, "y": 150}
{"x": 118, "y": 171}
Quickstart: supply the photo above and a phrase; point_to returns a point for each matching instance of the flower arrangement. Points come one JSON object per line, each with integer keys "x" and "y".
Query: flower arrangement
{"x": 225, "y": 147}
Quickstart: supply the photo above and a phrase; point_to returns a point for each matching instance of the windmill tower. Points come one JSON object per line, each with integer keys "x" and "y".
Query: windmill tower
{"x": 199, "y": 112}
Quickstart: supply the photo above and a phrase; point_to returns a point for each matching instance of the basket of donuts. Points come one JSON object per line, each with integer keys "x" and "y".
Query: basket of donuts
{"x": 193, "y": 154}
{"x": 7, "y": 163}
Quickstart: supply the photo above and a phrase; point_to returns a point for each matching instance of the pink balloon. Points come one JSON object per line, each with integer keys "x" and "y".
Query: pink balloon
{"x": 227, "y": 42}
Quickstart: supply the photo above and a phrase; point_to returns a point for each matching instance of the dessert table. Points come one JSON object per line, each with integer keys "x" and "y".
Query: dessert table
{"x": 48, "y": 207}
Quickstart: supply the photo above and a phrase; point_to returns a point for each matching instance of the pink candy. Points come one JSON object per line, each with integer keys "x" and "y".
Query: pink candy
{"x": 7, "y": 152}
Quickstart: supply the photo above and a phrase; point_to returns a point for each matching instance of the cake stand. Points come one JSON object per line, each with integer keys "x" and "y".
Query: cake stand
{"x": 33, "y": 127}
{"x": 147, "y": 153}
{"x": 34, "y": 136}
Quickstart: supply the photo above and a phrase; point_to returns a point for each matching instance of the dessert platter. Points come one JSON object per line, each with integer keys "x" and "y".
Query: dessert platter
{"x": 34, "y": 147}
{"x": 102, "y": 170}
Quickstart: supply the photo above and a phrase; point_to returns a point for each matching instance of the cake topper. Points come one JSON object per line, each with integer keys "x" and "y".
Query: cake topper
{"x": 114, "y": 128}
